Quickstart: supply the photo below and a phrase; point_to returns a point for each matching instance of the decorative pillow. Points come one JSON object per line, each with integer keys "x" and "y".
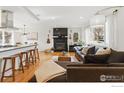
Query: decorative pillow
{"x": 84, "y": 50}
{"x": 96, "y": 59}
{"x": 103, "y": 51}
{"x": 91, "y": 50}
{"x": 88, "y": 50}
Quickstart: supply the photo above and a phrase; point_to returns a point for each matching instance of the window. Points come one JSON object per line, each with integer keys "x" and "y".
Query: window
{"x": 95, "y": 35}
{"x": 1, "y": 37}
{"x": 6, "y": 37}
{"x": 98, "y": 34}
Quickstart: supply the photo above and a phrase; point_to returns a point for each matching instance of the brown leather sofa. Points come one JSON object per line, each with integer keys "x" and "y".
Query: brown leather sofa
{"x": 114, "y": 57}
{"x": 95, "y": 73}
{"x": 94, "y": 70}
{"x": 113, "y": 72}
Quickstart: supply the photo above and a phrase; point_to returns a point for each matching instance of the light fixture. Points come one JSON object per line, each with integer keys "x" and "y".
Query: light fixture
{"x": 53, "y": 18}
{"x": 97, "y": 20}
{"x": 24, "y": 30}
{"x": 81, "y": 17}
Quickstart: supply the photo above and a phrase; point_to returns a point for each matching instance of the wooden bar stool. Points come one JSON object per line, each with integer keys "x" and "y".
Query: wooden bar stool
{"x": 37, "y": 54}
{"x": 24, "y": 58}
{"x": 32, "y": 56}
{"x": 21, "y": 67}
{"x": 11, "y": 59}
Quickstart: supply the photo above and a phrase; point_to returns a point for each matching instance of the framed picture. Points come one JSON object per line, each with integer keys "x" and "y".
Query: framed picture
{"x": 75, "y": 37}
{"x": 32, "y": 36}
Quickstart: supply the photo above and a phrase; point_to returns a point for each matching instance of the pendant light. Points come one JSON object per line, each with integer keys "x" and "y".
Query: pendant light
{"x": 24, "y": 30}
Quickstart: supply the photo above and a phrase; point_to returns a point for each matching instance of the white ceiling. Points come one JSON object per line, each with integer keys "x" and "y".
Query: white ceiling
{"x": 54, "y": 15}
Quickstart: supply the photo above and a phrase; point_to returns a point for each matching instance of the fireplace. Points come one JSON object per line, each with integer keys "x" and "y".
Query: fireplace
{"x": 60, "y": 44}
{"x": 60, "y": 37}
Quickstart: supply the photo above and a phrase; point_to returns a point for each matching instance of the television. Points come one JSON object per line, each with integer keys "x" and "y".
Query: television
{"x": 60, "y": 31}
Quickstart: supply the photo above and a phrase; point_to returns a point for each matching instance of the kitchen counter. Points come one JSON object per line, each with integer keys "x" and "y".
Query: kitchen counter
{"x": 14, "y": 48}
{"x": 8, "y": 51}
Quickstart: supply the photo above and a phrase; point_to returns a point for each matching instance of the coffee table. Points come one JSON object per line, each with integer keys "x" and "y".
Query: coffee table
{"x": 64, "y": 58}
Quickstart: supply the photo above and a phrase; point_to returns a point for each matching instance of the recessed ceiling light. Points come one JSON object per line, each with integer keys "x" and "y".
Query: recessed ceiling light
{"x": 53, "y": 18}
{"x": 81, "y": 17}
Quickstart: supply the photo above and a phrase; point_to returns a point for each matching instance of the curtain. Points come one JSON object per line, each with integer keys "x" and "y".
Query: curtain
{"x": 111, "y": 31}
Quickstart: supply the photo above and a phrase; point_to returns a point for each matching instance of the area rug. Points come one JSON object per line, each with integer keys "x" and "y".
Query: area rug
{"x": 48, "y": 71}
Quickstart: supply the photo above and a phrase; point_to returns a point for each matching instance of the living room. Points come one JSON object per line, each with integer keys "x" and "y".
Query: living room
{"x": 56, "y": 39}
{"x": 53, "y": 46}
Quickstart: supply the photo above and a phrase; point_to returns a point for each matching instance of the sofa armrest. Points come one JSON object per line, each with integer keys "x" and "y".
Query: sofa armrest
{"x": 77, "y": 48}
{"x": 95, "y": 73}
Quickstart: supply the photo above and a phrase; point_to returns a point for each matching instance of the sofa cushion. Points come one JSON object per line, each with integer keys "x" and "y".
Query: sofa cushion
{"x": 102, "y": 51}
{"x": 84, "y": 50}
{"x": 97, "y": 59}
{"x": 88, "y": 50}
{"x": 91, "y": 50}
{"x": 116, "y": 57}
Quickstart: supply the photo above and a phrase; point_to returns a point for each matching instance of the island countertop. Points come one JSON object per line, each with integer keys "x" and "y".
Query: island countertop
{"x": 16, "y": 47}
{"x": 8, "y": 51}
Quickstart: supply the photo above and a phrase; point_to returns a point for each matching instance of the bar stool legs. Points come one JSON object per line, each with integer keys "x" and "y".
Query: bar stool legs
{"x": 4, "y": 67}
{"x": 24, "y": 55}
{"x": 32, "y": 56}
{"x": 13, "y": 60}
{"x": 27, "y": 61}
{"x": 21, "y": 63}
{"x": 37, "y": 54}
{"x": 13, "y": 67}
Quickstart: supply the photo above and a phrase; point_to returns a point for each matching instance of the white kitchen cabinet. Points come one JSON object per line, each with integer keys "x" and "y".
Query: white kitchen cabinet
{"x": 6, "y": 37}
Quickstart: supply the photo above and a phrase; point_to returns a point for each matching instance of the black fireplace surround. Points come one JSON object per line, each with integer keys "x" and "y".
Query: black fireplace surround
{"x": 60, "y": 37}
{"x": 60, "y": 44}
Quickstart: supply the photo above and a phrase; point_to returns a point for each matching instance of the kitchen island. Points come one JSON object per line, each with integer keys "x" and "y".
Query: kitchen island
{"x": 8, "y": 51}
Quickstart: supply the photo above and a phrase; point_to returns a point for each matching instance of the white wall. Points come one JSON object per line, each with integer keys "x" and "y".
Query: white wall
{"x": 73, "y": 30}
{"x": 111, "y": 31}
{"x": 120, "y": 29}
{"x": 42, "y": 35}
{"x": 116, "y": 30}
{"x": 43, "y": 31}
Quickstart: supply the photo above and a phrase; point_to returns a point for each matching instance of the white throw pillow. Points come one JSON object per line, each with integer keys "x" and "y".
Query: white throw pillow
{"x": 85, "y": 50}
{"x": 102, "y": 51}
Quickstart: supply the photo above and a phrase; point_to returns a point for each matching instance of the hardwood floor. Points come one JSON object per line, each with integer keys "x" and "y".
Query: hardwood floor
{"x": 28, "y": 73}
